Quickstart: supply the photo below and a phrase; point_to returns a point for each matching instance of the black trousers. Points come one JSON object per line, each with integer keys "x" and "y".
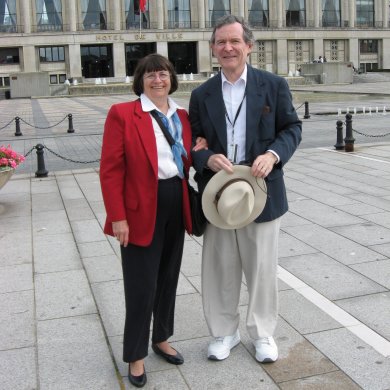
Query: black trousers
{"x": 150, "y": 275}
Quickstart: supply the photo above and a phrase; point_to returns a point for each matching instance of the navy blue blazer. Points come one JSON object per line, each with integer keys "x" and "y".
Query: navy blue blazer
{"x": 271, "y": 123}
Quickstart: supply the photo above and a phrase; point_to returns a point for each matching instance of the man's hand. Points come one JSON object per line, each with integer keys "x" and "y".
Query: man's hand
{"x": 121, "y": 232}
{"x": 216, "y": 162}
{"x": 263, "y": 165}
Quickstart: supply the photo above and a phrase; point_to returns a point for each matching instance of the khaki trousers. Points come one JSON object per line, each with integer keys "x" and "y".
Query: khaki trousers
{"x": 226, "y": 254}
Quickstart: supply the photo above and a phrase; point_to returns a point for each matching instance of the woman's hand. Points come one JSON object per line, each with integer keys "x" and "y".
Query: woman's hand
{"x": 201, "y": 144}
{"x": 121, "y": 231}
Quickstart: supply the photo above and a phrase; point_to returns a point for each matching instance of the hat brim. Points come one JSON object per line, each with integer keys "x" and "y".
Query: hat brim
{"x": 218, "y": 181}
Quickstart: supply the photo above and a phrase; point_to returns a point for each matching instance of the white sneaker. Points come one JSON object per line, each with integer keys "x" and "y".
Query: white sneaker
{"x": 220, "y": 348}
{"x": 266, "y": 350}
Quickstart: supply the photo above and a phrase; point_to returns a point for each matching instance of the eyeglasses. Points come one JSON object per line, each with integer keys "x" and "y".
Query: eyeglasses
{"x": 153, "y": 76}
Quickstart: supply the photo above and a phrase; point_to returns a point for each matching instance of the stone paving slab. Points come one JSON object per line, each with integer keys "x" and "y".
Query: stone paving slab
{"x": 63, "y": 294}
{"x": 17, "y": 320}
{"x": 346, "y": 251}
{"x": 371, "y": 310}
{"x": 26, "y": 376}
{"x": 329, "y": 277}
{"x": 73, "y": 354}
{"x": 368, "y": 368}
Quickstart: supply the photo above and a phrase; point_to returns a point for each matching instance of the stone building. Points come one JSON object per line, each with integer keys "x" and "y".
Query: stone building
{"x": 88, "y": 39}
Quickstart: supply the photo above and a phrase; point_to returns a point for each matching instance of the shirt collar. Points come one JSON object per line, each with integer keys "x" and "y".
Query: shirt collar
{"x": 148, "y": 105}
{"x": 243, "y": 77}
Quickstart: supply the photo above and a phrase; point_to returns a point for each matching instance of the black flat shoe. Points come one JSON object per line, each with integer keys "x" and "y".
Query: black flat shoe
{"x": 137, "y": 381}
{"x": 173, "y": 359}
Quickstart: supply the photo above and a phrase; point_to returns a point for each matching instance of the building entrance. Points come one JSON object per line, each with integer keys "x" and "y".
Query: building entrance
{"x": 183, "y": 57}
{"x": 96, "y": 61}
{"x": 136, "y": 51}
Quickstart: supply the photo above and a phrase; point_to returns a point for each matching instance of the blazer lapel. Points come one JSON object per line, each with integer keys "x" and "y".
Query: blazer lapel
{"x": 144, "y": 126}
{"x": 255, "y": 101}
{"x": 216, "y": 109}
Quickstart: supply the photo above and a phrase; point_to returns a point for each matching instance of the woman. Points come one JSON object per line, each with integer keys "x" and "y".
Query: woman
{"x": 145, "y": 194}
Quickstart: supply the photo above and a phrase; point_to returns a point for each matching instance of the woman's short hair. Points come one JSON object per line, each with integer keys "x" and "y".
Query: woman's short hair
{"x": 153, "y": 63}
{"x": 231, "y": 19}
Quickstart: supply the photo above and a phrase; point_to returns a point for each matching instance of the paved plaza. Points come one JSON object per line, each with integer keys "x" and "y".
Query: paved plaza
{"x": 61, "y": 291}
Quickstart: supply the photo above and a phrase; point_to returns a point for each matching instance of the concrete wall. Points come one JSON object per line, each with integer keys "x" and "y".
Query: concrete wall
{"x": 29, "y": 84}
{"x": 329, "y": 72}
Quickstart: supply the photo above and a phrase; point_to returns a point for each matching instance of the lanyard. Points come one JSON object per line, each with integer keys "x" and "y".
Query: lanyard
{"x": 237, "y": 113}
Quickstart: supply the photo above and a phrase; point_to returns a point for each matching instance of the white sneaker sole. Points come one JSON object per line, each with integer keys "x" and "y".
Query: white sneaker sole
{"x": 267, "y": 360}
{"x": 226, "y": 355}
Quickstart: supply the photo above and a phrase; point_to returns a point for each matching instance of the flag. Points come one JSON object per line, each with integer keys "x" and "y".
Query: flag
{"x": 142, "y": 5}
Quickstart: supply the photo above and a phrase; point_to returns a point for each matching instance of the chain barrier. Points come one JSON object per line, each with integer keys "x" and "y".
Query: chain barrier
{"x": 44, "y": 128}
{"x": 370, "y": 135}
{"x": 70, "y": 160}
{"x": 2, "y": 128}
{"x": 300, "y": 106}
{"x": 29, "y": 152}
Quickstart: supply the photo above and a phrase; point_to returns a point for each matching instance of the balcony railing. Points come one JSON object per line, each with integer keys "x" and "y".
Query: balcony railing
{"x": 47, "y": 27}
{"x": 10, "y": 28}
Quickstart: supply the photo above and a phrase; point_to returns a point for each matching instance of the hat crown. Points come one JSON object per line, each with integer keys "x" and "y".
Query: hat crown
{"x": 236, "y": 202}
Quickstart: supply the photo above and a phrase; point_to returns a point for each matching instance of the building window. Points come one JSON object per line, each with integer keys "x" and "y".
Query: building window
{"x": 365, "y": 13}
{"x": 97, "y": 61}
{"x": 134, "y": 17}
{"x": 368, "y": 46}
{"x": 136, "y": 51}
{"x": 179, "y": 14}
{"x": 331, "y": 13}
{"x": 295, "y": 13}
{"x": 9, "y": 55}
{"x": 93, "y": 13}
{"x": 49, "y": 15}
{"x": 4, "y": 81}
{"x": 217, "y": 9}
{"x": 53, "y": 79}
{"x": 52, "y": 54}
{"x": 258, "y": 13}
{"x": 8, "y": 16}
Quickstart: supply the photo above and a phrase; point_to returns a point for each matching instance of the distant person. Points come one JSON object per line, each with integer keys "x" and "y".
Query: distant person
{"x": 320, "y": 59}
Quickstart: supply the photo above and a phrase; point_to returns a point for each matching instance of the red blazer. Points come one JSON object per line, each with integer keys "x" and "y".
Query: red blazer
{"x": 128, "y": 171}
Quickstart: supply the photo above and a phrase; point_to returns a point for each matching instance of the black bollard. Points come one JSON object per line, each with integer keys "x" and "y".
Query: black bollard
{"x": 339, "y": 142}
{"x": 70, "y": 120}
{"x": 17, "y": 126}
{"x": 307, "y": 114}
{"x": 349, "y": 140}
{"x": 41, "y": 172}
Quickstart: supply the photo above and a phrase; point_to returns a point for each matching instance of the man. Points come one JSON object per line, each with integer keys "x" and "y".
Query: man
{"x": 247, "y": 115}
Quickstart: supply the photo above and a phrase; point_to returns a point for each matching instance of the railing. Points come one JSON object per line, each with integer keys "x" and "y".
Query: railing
{"x": 47, "y": 27}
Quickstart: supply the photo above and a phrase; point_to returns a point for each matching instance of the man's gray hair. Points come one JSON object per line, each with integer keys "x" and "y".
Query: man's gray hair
{"x": 231, "y": 19}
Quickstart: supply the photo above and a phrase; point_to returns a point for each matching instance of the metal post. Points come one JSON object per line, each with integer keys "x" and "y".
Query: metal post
{"x": 349, "y": 140}
{"x": 17, "y": 126}
{"x": 70, "y": 120}
{"x": 41, "y": 172}
{"x": 307, "y": 114}
{"x": 339, "y": 142}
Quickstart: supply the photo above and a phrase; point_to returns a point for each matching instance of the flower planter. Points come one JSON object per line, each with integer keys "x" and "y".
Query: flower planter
{"x": 5, "y": 175}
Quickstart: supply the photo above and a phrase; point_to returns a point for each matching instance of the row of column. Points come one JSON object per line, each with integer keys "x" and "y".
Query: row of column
{"x": 277, "y": 7}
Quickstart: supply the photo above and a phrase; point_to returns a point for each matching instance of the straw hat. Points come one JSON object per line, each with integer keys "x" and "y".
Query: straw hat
{"x": 232, "y": 201}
